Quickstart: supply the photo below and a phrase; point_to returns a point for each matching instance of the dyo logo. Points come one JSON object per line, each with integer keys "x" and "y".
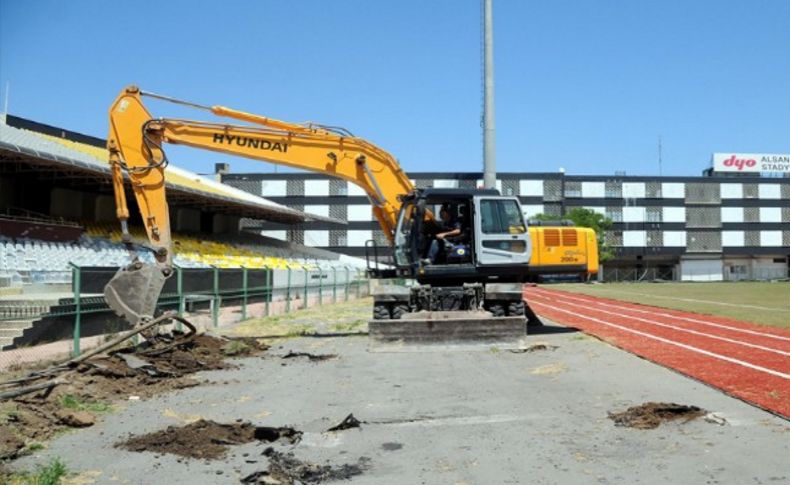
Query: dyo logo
{"x": 739, "y": 163}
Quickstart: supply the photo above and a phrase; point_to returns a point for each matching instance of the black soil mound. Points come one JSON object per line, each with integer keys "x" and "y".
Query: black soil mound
{"x": 206, "y": 439}
{"x": 650, "y": 415}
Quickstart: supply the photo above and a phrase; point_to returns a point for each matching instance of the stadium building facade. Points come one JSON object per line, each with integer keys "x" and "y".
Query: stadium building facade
{"x": 708, "y": 228}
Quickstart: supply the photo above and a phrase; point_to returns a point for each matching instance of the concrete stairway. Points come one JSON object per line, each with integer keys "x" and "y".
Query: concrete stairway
{"x": 17, "y": 313}
{"x": 11, "y": 329}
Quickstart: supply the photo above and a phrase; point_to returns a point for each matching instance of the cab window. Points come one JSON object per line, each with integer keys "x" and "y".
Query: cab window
{"x": 501, "y": 217}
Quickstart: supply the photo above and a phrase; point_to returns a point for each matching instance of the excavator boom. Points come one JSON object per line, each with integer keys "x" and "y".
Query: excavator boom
{"x": 135, "y": 147}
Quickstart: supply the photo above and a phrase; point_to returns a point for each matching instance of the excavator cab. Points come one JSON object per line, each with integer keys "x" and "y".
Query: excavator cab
{"x": 489, "y": 242}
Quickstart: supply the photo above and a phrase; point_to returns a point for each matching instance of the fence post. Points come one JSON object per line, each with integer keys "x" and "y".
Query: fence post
{"x": 357, "y": 284}
{"x": 320, "y": 286}
{"x": 347, "y": 278}
{"x": 267, "y": 296}
{"x": 334, "y": 284}
{"x": 306, "y": 281}
{"x": 244, "y": 296}
{"x": 76, "y": 283}
{"x": 288, "y": 293}
{"x": 215, "y": 316}
{"x": 180, "y": 292}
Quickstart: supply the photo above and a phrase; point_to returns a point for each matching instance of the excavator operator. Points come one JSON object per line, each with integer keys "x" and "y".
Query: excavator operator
{"x": 450, "y": 227}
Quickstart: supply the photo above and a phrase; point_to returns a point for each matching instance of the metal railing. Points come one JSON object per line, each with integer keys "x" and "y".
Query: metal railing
{"x": 190, "y": 291}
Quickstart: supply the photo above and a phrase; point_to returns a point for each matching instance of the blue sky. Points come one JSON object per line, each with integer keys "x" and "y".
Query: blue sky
{"x": 587, "y": 85}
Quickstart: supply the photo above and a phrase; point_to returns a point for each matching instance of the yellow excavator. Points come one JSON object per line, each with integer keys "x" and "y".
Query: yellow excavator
{"x": 462, "y": 275}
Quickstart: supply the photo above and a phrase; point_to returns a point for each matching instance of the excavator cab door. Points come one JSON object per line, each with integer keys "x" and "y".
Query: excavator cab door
{"x": 406, "y": 242}
{"x": 501, "y": 235}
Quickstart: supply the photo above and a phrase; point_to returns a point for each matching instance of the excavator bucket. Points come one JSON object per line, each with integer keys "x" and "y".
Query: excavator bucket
{"x": 134, "y": 290}
{"x": 447, "y": 330}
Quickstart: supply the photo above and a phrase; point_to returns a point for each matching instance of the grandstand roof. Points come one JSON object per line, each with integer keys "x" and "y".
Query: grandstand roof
{"x": 81, "y": 157}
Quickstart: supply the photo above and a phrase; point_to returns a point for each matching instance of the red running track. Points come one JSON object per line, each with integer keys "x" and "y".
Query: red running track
{"x": 744, "y": 360}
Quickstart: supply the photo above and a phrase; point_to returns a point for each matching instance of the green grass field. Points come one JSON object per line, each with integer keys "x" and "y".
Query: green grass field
{"x": 756, "y": 302}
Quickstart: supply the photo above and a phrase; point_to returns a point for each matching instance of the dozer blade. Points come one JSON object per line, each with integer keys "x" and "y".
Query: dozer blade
{"x": 449, "y": 330}
{"x": 134, "y": 290}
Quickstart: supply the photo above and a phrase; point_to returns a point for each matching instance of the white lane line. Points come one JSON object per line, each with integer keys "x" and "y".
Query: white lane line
{"x": 557, "y": 300}
{"x": 688, "y": 319}
{"x": 692, "y": 300}
{"x": 678, "y": 344}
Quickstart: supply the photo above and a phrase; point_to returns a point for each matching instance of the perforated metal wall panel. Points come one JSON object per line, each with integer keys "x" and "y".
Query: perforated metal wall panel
{"x": 467, "y": 184}
{"x": 251, "y": 186}
{"x": 613, "y": 189}
{"x": 614, "y": 238}
{"x": 752, "y": 238}
{"x": 615, "y": 214}
{"x": 653, "y": 214}
{"x": 655, "y": 239}
{"x": 785, "y": 214}
{"x": 573, "y": 189}
{"x": 510, "y": 187}
{"x": 703, "y": 242}
{"x": 423, "y": 183}
{"x": 653, "y": 190}
{"x": 338, "y": 187}
{"x": 337, "y": 237}
{"x": 697, "y": 217}
{"x": 702, "y": 193}
{"x": 295, "y": 188}
{"x": 296, "y": 236}
{"x": 751, "y": 214}
{"x": 786, "y": 238}
{"x": 552, "y": 190}
{"x": 785, "y": 191}
{"x": 750, "y": 191}
{"x": 338, "y": 211}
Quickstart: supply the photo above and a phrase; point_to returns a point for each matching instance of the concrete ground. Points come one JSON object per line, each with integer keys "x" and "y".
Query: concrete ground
{"x": 484, "y": 417}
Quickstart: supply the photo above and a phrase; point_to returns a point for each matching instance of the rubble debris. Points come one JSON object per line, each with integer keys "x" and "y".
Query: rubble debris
{"x": 159, "y": 365}
{"x": 714, "y": 418}
{"x": 206, "y": 439}
{"x": 286, "y": 469}
{"x": 349, "y": 422}
{"x": 534, "y": 348}
{"x": 312, "y": 357}
{"x": 650, "y": 415}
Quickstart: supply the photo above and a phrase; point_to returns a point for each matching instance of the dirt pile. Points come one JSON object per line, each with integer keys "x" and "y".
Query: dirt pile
{"x": 89, "y": 388}
{"x": 286, "y": 469}
{"x": 206, "y": 439}
{"x": 650, "y": 415}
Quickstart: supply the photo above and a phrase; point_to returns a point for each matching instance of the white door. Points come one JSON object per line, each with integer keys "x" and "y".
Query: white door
{"x": 501, "y": 235}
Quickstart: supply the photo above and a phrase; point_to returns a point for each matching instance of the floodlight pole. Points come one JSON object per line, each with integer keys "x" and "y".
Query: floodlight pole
{"x": 489, "y": 148}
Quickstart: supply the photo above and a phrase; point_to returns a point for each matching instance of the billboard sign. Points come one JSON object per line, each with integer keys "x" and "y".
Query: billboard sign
{"x": 751, "y": 162}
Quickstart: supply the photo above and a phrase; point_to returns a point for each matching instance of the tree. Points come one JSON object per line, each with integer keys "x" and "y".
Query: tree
{"x": 582, "y": 217}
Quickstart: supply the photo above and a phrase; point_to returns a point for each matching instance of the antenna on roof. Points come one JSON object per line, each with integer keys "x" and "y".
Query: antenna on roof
{"x": 659, "y": 156}
{"x": 5, "y": 104}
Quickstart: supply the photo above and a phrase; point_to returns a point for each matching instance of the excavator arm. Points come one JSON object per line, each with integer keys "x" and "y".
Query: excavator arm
{"x": 135, "y": 146}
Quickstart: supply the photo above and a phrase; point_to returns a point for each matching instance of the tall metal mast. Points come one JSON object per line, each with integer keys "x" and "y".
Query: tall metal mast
{"x": 489, "y": 147}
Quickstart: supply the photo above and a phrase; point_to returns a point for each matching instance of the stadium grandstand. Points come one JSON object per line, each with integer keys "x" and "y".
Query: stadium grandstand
{"x": 57, "y": 213}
